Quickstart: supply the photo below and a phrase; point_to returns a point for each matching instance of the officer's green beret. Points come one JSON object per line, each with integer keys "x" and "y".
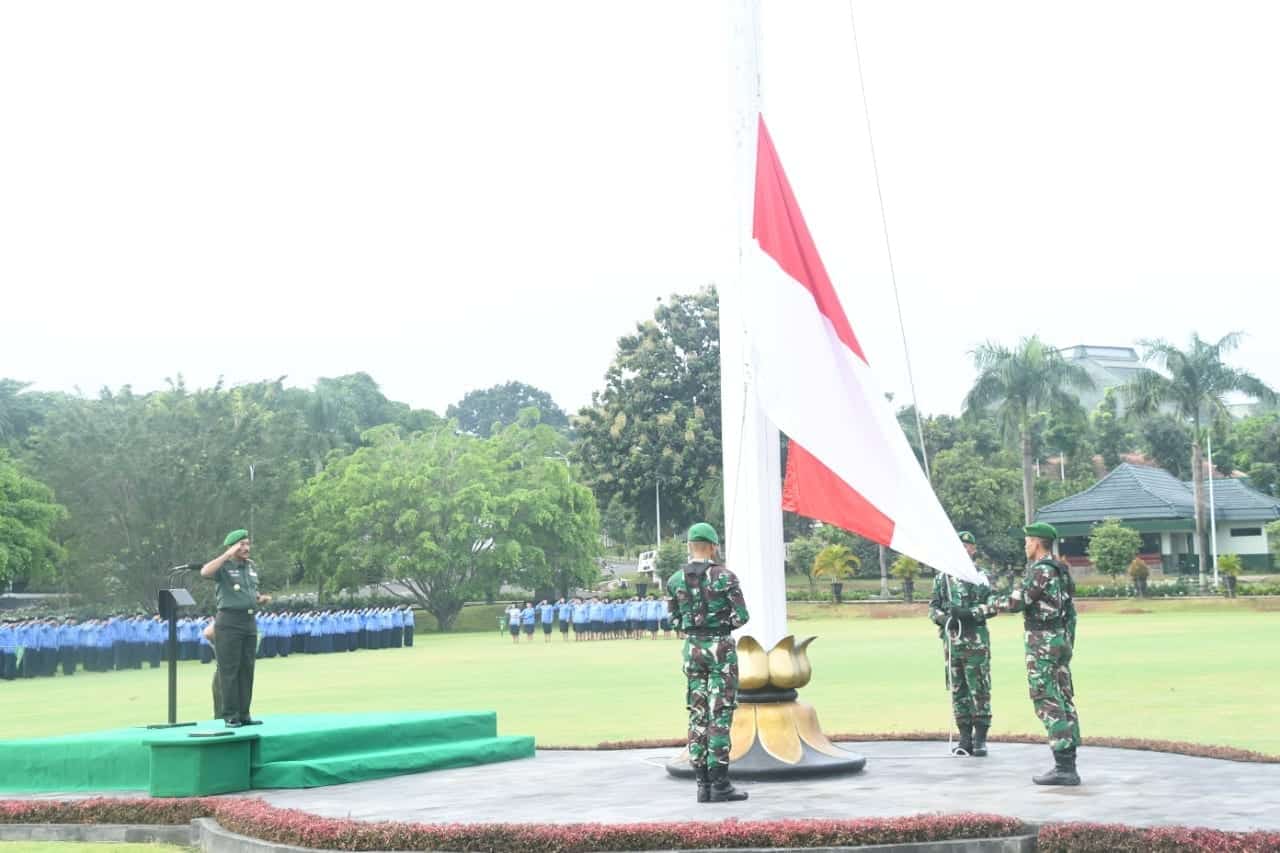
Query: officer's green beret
{"x": 703, "y": 532}
{"x": 967, "y": 538}
{"x": 235, "y": 536}
{"x": 1041, "y": 530}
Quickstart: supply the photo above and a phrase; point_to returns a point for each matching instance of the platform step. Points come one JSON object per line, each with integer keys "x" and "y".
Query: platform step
{"x": 359, "y": 766}
{"x": 334, "y": 735}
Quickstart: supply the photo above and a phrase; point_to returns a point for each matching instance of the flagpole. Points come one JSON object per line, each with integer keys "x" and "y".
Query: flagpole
{"x": 750, "y": 442}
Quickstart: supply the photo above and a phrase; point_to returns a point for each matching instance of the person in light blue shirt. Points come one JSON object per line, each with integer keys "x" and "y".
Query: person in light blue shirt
{"x": 408, "y": 626}
{"x": 48, "y": 648}
{"x": 528, "y": 617}
{"x": 581, "y": 619}
{"x": 68, "y": 640}
{"x": 8, "y": 651}
{"x": 595, "y": 619}
{"x": 546, "y": 618}
{"x": 204, "y": 650}
{"x": 396, "y": 617}
{"x": 564, "y": 617}
{"x": 653, "y": 615}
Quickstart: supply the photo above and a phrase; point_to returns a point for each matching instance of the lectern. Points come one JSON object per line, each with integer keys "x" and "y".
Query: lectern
{"x": 171, "y": 600}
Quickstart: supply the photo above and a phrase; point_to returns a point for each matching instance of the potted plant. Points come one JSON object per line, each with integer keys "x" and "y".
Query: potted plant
{"x": 1229, "y": 570}
{"x": 835, "y": 562}
{"x": 1138, "y": 573}
{"x": 905, "y": 569}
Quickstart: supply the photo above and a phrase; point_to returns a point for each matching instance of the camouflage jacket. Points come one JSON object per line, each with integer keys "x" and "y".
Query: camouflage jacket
{"x": 951, "y": 592}
{"x": 1045, "y": 599}
{"x": 705, "y": 597}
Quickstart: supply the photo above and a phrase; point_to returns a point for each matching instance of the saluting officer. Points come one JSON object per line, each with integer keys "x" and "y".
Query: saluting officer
{"x": 235, "y": 637}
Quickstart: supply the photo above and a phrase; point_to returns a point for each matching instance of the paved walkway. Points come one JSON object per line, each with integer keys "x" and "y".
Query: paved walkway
{"x": 1121, "y": 786}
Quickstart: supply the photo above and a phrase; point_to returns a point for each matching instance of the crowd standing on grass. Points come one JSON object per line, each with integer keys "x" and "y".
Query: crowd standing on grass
{"x": 587, "y": 619}
{"x": 43, "y": 646}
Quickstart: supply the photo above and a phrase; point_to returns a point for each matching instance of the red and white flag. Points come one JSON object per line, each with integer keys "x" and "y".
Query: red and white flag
{"x": 849, "y": 463}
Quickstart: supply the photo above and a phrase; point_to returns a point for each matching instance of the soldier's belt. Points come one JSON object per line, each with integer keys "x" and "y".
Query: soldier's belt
{"x": 706, "y": 632}
{"x": 1044, "y": 625}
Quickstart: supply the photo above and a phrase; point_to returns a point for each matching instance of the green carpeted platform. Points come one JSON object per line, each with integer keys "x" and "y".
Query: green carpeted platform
{"x": 284, "y": 752}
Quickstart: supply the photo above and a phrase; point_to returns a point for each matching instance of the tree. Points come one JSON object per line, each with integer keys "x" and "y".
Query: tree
{"x": 481, "y": 412}
{"x": 446, "y": 516}
{"x": 1112, "y": 547}
{"x": 155, "y": 480}
{"x": 1167, "y": 440}
{"x": 673, "y": 554}
{"x": 835, "y": 562}
{"x": 1018, "y": 384}
{"x": 1257, "y": 450}
{"x": 28, "y": 517}
{"x": 656, "y": 424}
{"x": 1110, "y": 436}
{"x": 906, "y": 569}
{"x": 1195, "y": 383}
{"x": 981, "y": 497}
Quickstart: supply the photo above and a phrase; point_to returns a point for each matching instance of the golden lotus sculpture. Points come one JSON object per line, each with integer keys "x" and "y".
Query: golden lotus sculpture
{"x": 774, "y": 735}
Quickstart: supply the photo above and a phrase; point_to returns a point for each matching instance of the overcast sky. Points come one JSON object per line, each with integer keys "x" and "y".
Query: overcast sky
{"x": 450, "y": 195}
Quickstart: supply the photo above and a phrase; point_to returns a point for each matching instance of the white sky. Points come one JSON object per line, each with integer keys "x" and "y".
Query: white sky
{"x": 450, "y": 195}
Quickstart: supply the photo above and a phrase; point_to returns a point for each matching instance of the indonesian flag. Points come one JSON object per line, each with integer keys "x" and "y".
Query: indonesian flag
{"x": 849, "y": 463}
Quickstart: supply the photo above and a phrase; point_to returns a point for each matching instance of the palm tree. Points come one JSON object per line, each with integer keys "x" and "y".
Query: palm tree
{"x": 836, "y": 562}
{"x": 1194, "y": 383}
{"x": 1018, "y": 384}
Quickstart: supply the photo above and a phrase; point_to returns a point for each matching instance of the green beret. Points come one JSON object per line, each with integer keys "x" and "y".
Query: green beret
{"x": 967, "y": 538}
{"x": 1041, "y": 530}
{"x": 235, "y": 536}
{"x": 703, "y": 532}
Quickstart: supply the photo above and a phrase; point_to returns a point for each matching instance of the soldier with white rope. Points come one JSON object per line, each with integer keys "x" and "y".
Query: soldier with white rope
{"x": 955, "y": 607}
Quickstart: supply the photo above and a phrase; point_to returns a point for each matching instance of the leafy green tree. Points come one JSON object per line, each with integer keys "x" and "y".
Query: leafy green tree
{"x": 155, "y": 480}
{"x": 1018, "y": 384}
{"x": 1257, "y": 450}
{"x": 981, "y": 497}
{"x": 673, "y": 553}
{"x": 1111, "y": 437}
{"x": 1195, "y": 383}
{"x": 446, "y": 516}
{"x": 1167, "y": 440}
{"x": 28, "y": 518}
{"x": 801, "y": 554}
{"x": 835, "y": 562}
{"x": 657, "y": 421}
{"x": 906, "y": 569}
{"x": 1112, "y": 547}
{"x": 479, "y": 412}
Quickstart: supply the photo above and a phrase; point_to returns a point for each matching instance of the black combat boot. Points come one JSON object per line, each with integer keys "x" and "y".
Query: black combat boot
{"x": 965, "y": 746}
{"x": 1064, "y": 769}
{"x": 703, "y": 776}
{"x": 722, "y": 791}
{"x": 980, "y": 739}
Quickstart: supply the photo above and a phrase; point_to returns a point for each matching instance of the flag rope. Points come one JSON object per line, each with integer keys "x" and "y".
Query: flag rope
{"x": 884, "y": 222}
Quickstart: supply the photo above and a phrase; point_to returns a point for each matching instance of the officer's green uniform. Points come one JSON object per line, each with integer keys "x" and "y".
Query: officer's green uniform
{"x": 956, "y": 608}
{"x": 706, "y": 603}
{"x": 1049, "y": 622}
{"x": 235, "y": 633}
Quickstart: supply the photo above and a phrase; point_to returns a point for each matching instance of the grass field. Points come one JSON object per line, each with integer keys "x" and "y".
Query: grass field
{"x": 1196, "y": 670}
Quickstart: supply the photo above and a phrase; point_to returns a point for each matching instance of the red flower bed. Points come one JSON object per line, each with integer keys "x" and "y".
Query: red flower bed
{"x": 257, "y": 819}
{"x": 1116, "y": 838}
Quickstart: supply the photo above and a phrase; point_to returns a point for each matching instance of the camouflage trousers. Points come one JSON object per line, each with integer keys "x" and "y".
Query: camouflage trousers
{"x": 1052, "y": 693}
{"x": 711, "y": 668}
{"x": 970, "y": 677}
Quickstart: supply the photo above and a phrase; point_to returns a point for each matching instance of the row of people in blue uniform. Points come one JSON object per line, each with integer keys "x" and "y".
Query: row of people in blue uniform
{"x": 588, "y": 619}
{"x": 39, "y": 647}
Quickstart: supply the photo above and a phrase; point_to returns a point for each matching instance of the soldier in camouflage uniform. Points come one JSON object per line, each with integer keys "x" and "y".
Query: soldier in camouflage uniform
{"x": 955, "y": 608}
{"x": 1049, "y": 618}
{"x": 706, "y": 604}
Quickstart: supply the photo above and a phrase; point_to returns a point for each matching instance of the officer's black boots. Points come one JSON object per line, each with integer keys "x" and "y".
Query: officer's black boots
{"x": 1064, "y": 769}
{"x": 704, "y": 783}
{"x": 722, "y": 791}
{"x": 980, "y": 740}
{"x": 965, "y": 747}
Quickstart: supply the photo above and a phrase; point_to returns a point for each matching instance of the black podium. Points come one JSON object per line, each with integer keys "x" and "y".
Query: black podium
{"x": 170, "y": 602}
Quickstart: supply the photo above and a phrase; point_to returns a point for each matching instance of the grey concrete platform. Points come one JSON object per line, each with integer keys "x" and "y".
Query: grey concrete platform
{"x": 901, "y": 778}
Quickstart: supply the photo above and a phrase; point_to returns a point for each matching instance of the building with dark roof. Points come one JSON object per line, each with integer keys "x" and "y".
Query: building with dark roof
{"x": 1162, "y": 509}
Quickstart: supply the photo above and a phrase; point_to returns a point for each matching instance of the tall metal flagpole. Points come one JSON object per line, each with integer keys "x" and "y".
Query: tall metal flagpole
{"x": 752, "y": 450}
{"x": 1213, "y": 521}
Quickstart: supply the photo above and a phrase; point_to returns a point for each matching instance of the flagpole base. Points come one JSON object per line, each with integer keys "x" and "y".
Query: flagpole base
{"x": 774, "y": 736}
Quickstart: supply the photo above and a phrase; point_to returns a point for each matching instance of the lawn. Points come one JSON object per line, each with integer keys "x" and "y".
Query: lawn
{"x": 1196, "y": 670}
